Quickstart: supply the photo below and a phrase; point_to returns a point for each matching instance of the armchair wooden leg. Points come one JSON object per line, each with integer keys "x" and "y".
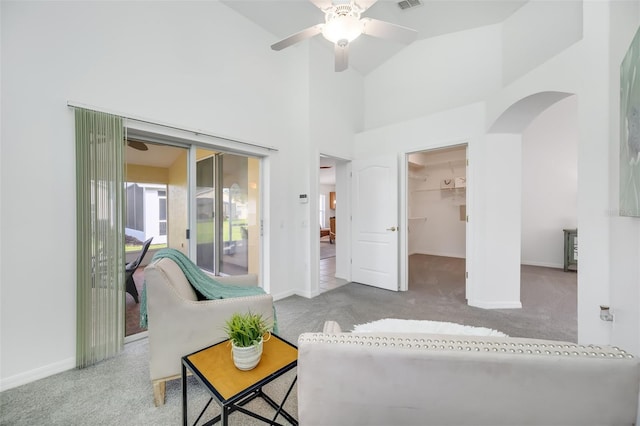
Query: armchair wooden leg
{"x": 159, "y": 388}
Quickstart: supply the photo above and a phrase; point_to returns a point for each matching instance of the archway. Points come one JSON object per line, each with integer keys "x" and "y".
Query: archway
{"x": 541, "y": 133}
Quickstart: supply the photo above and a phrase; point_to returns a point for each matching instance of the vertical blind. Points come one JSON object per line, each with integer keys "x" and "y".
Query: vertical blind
{"x": 100, "y": 236}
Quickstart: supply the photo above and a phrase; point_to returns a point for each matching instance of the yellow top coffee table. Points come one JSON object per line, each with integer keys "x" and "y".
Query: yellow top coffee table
{"x": 232, "y": 388}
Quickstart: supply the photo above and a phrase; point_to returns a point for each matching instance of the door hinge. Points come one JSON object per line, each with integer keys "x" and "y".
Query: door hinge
{"x": 466, "y": 275}
{"x": 467, "y": 161}
{"x": 188, "y": 234}
{"x": 467, "y": 218}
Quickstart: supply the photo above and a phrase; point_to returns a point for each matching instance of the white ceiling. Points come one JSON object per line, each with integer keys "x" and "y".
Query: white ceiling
{"x": 156, "y": 155}
{"x": 433, "y": 18}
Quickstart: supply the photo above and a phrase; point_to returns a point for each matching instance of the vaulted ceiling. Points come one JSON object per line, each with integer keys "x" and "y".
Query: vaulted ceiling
{"x": 431, "y": 19}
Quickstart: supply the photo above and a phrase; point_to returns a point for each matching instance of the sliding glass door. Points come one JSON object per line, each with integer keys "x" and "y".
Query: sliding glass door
{"x": 227, "y": 212}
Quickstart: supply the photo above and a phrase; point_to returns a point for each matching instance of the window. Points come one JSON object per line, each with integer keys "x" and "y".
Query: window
{"x": 162, "y": 212}
{"x": 146, "y": 214}
{"x": 135, "y": 207}
{"x": 323, "y": 212}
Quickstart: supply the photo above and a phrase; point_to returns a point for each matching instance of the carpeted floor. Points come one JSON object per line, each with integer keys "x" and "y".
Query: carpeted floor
{"x": 118, "y": 391}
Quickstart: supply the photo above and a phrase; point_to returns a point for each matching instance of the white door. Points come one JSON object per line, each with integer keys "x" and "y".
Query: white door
{"x": 375, "y": 222}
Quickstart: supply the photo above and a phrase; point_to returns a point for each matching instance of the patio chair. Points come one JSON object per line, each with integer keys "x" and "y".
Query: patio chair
{"x": 131, "y": 267}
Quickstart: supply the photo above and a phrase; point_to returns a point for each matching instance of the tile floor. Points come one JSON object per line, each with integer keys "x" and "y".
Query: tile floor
{"x": 328, "y": 280}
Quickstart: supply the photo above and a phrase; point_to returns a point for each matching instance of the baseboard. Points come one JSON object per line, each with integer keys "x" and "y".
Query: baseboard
{"x": 37, "y": 374}
{"x": 314, "y": 294}
{"x": 283, "y": 295}
{"x": 308, "y": 294}
{"x": 496, "y": 305}
{"x": 543, "y": 264}
{"x": 135, "y": 337}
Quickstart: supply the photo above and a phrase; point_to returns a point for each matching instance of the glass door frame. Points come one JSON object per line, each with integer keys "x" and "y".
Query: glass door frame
{"x": 219, "y": 217}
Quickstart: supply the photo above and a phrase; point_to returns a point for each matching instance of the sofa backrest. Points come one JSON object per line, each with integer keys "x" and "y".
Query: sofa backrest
{"x": 167, "y": 270}
{"x": 411, "y": 379}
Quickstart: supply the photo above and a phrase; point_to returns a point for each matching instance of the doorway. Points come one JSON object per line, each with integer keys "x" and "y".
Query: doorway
{"x": 331, "y": 183}
{"x": 437, "y": 218}
{"x": 227, "y": 212}
{"x": 156, "y": 176}
{"x": 206, "y": 203}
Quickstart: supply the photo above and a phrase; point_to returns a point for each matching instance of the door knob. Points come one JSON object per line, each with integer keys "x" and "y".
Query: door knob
{"x": 392, "y": 229}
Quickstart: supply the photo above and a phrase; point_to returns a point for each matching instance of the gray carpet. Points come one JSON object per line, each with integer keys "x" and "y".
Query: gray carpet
{"x": 118, "y": 391}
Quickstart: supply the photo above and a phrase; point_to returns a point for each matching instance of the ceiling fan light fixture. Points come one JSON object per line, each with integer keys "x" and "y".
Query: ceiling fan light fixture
{"x": 342, "y": 25}
{"x": 340, "y": 28}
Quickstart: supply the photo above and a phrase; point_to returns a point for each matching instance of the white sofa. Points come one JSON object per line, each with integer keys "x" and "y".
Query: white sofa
{"x": 179, "y": 324}
{"x": 430, "y": 379}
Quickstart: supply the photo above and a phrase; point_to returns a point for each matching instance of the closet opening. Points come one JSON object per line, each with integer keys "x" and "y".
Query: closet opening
{"x": 437, "y": 221}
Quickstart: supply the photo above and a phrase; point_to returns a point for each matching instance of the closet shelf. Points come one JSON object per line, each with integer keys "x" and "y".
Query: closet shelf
{"x": 422, "y": 178}
{"x": 452, "y": 163}
{"x": 438, "y": 189}
{"x": 418, "y": 218}
{"x": 415, "y": 166}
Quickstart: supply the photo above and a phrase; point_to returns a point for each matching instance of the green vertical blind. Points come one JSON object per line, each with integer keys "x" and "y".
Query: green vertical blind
{"x": 100, "y": 236}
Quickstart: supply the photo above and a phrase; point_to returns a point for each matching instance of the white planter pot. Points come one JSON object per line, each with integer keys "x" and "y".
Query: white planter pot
{"x": 248, "y": 357}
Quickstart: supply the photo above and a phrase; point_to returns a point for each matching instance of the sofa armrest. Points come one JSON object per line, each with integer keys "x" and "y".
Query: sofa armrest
{"x": 432, "y": 379}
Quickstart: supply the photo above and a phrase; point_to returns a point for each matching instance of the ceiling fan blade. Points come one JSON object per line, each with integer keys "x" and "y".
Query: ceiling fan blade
{"x": 382, "y": 29}
{"x": 365, "y": 4}
{"x": 322, "y": 4}
{"x": 342, "y": 57}
{"x": 140, "y": 146}
{"x": 297, "y": 37}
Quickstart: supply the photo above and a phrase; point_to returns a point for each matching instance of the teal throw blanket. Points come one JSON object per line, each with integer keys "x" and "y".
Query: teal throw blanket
{"x": 203, "y": 283}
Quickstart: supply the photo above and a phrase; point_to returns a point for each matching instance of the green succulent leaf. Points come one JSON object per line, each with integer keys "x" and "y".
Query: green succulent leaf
{"x": 245, "y": 329}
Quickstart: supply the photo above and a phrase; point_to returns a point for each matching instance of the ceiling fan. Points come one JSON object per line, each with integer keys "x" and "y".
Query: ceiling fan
{"x": 140, "y": 146}
{"x": 343, "y": 24}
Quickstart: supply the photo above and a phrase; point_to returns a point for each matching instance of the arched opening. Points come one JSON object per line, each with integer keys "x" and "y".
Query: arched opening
{"x": 543, "y": 131}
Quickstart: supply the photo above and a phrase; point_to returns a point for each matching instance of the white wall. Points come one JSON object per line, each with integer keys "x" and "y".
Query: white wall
{"x": 335, "y": 113}
{"x": 587, "y": 59}
{"x": 624, "y": 273}
{"x": 170, "y": 62}
{"x": 501, "y": 223}
{"x": 549, "y": 183}
{"x": 435, "y": 227}
{"x": 585, "y": 69}
{"x": 536, "y": 32}
{"x": 174, "y": 63}
{"x": 433, "y": 75}
{"x": 453, "y": 127}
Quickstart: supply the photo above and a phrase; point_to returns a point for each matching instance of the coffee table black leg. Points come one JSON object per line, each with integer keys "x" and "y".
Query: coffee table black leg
{"x": 184, "y": 396}
{"x": 285, "y": 400}
{"x": 225, "y": 415}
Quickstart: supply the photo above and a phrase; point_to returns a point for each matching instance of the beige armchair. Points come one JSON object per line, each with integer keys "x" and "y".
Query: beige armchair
{"x": 179, "y": 324}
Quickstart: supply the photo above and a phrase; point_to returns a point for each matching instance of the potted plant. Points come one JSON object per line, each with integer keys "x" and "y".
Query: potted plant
{"x": 246, "y": 333}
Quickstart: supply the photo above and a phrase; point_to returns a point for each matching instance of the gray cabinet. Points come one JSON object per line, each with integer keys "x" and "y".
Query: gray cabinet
{"x": 570, "y": 250}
